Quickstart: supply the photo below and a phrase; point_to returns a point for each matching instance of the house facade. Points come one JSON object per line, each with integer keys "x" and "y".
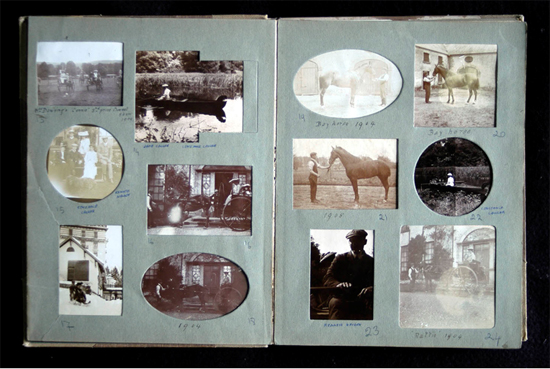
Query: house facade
{"x": 448, "y": 246}
{"x": 457, "y": 58}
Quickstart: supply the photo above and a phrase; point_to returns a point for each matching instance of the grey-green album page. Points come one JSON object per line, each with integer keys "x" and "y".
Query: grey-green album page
{"x": 150, "y": 180}
{"x": 400, "y": 182}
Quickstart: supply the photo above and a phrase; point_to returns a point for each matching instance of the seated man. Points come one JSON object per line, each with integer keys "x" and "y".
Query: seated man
{"x": 353, "y": 274}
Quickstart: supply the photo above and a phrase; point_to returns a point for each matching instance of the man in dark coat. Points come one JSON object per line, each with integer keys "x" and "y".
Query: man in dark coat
{"x": 352, "y": 273}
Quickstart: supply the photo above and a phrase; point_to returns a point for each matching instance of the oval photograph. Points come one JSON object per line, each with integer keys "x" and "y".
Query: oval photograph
{"x": 85, "y": 163}
{"x": 347, "y": 83}
{"x": 194, "y": 286}
{"x": 453, "y": 176}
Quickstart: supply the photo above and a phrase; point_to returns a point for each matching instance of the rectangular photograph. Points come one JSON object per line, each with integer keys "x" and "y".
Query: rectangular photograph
{"x": 342, "y": 274}
{"x": 455, "y": 85}
{"x": 447, "y": 277}
{"x": 178, "y": 96}
{"x": 90, "y": 270}
{"x": 210, "y": 200}
{"x": 344, "y": 174}
{"x": 79, "y": 73}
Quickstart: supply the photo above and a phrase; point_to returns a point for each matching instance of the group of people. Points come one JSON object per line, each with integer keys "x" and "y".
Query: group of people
{"x": 79, "y": 158}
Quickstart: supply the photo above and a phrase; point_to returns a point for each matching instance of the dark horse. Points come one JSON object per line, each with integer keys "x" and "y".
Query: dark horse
{"x": 176, "y": 295}
{"x": 357, "y": 168}
{"x": 351, "y": 80}
{"x": 470, "y": 80}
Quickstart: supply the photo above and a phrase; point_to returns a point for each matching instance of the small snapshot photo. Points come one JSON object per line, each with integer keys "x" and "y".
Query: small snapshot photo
{"x": 90, "y": 270}
{"x": 342, "y": 274}
{"x": 85, "y": 163}
{"x": 347, "y": 83}
{"x": 453, "y": 176}
{"x": 195, "y": 286}
{"x": 455, "y": 85}
{"x": 199, "y": 200}
{"x": 79, "y": 73}
{"x": 447, "y": 277}
{"x": 344, "y": 173}
{"x": 178, "y": 96}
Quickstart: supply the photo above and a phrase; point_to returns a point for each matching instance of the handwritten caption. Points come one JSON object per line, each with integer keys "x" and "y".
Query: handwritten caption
{"x": 438, "y": 335}
{"x": 122, "y": 193}
{"x": 358, "y": 124}
{"x": 329, "y": 216}
{"x": 185, "y": 326}
{"x": 369, "y": 331}
{"x": 87, "y": 209}
{"x": 450, "y": 131}
{"x": 494, "y": 210}
{"x": 122, "y": 113}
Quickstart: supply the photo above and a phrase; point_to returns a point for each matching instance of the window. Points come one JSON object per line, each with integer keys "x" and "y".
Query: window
{"x": 404, "y": 257}
{"x": 196, "y": 274}
{"x": 226, "y": 278}
{"x": 70, "y": 249}
{"x": 78, "y": 270}
{"x": 427, "y": 58}
{"x": 429, "y": 252}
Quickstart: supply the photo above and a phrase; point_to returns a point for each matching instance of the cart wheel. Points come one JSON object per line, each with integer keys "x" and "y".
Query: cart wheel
{"x": 227, "y": 299}
{"x": 237, "y": 214}
{"x": 467, "y": 279}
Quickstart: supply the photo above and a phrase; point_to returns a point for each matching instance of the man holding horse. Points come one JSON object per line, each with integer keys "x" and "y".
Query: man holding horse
{"x": 313, "y": 166}
{"x": 352, "y": 276}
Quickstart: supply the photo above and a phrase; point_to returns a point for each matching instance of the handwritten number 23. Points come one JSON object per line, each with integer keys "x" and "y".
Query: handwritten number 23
{"x": 371, "y": 331}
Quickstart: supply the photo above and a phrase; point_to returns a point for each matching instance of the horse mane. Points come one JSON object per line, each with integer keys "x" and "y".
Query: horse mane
{"x": 346, "y": 154}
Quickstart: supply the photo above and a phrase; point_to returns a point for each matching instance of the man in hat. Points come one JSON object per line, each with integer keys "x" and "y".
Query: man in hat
{"x": 450, "y": 180}
{"x": 352, "y": 273}
{"x": 105, "y": 154}
{"x": 71, "y": 139}
{"x": 383, "y": 79}
{"x": 313, "y": 166}
{"x": 166, "y": 94}
{"x": 74, "y": 159}
{"x": 427, "y": 84}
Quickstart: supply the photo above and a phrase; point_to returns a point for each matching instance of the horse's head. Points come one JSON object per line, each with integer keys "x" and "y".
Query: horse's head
{"x": 333, "y": 157}
{"x": 439, "y": 69}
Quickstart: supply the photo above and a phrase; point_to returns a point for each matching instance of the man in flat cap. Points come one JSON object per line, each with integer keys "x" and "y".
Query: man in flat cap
{"x": 352, "y": 273}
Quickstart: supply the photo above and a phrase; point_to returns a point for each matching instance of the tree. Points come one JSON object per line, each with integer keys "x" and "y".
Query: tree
{"x": 43, "y": 70}
{"x": 117, "y": 277}
{"x": 416, "y": 249}
{"x": 71, "y": 68}
{"x": 176, "y": 183}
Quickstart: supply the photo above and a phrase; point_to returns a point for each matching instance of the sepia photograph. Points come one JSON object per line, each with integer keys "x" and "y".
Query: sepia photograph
{"x": 447, "y": 277}
{"x": 85, "y": 163}
{"x": 453, "y": 176}
{"x": 79, "y": 73}
{"x": 342, "y": 274}
{"x": 90, "y": 270}
{"x": 194, "y": 286}
{"x": 455, "y": 85}
{"x": 347, "y": 83}
{"x": 178, "y": 96}
{"x": 344, "y": 174}
{"x": 209, "y": 200}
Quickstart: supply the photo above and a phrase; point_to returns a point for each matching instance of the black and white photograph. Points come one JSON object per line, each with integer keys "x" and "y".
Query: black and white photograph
{"x": 344, "y": 173}
{"x": 195, "y": 286}
{"x": 455, "y": 85}
{"x": 209, "y": 200}
{"x": 447, "y": 277}
{"x": 79, "y": 73}
{"x": 90, "y": 270}
{"x": 342, "y": 274}
{"x": 85, "y": 163}
{"x": 453, "y": 176}
{"x": 347, "y": 83}
{"x": 179, "y": 96}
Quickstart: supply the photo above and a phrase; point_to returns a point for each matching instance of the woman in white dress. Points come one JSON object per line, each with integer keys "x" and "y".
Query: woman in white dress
{"x": 90, "y": 160}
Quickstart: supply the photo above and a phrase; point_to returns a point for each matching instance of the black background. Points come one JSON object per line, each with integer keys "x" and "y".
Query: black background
{"x": 534, "y": 352}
